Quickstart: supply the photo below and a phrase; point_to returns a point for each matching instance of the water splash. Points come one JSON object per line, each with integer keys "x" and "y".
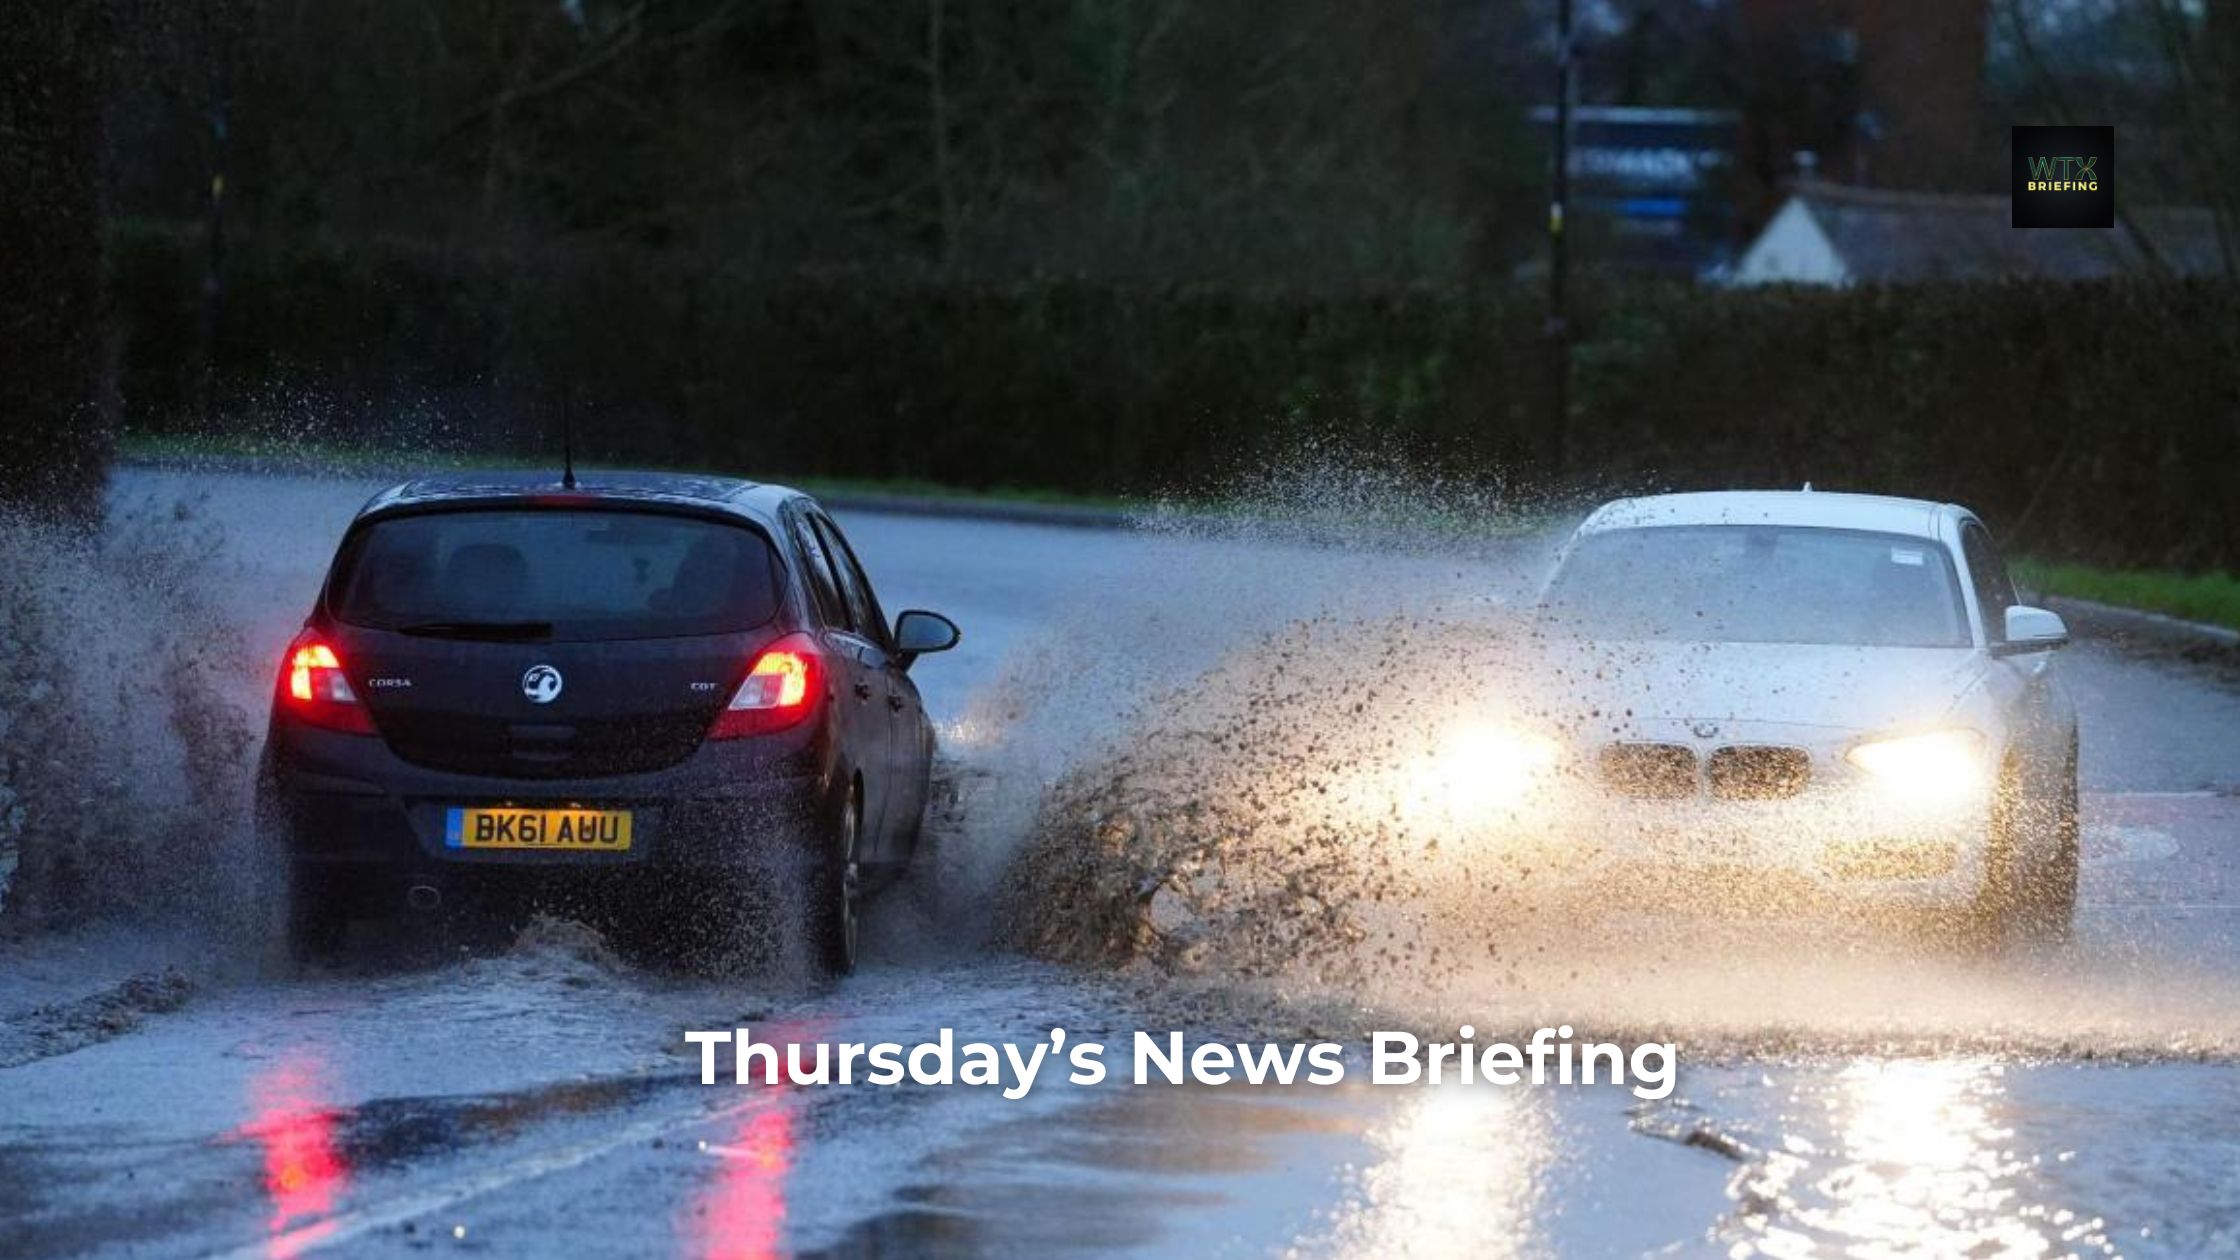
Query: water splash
{"x": 125, "y": 744}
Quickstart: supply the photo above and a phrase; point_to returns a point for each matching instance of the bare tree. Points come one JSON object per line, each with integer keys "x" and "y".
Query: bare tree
{"x": 55, "y": 354}
{"x": 2166, "y": 73}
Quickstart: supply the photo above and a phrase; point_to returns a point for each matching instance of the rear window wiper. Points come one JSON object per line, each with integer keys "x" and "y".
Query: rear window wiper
{"x": 478, "y": 629}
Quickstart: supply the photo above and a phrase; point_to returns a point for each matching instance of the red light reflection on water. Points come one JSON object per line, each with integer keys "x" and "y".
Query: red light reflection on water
{"x": 304, "y": 1169}
{"x": 741, "y": 1214}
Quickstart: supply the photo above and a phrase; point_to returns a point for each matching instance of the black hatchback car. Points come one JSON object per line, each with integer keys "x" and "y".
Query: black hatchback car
{"x": 637, "y": 688}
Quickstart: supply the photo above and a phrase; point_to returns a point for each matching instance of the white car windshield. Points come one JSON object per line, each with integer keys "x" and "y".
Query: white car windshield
{"x": 1759, "y": 584}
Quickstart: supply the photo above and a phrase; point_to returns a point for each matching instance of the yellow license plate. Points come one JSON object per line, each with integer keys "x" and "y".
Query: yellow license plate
{"x": 575, "y": 830}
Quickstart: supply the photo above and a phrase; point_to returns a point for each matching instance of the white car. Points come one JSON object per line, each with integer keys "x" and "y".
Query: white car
{"x": 1836, "y": 693}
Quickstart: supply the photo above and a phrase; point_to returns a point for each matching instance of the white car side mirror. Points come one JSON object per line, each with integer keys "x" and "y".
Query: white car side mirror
{"x": 2032, "y": 630}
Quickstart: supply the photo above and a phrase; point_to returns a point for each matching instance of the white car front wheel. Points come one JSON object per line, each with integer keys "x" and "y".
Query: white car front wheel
{"x": 2025, "y": 902}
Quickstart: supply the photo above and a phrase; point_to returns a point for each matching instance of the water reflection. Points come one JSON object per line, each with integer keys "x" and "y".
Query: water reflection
{"x": 741, "y": 1214}
{"x": 1462, "y": 1174}
{"x": 305, "y": 1173}
{"x": 1922, "y": 1164}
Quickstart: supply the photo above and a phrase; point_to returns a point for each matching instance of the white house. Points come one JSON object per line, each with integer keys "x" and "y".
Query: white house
{"x": 1830, "y": 234}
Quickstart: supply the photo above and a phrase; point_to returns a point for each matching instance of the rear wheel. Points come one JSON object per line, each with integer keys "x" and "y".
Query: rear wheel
{"x": 314, "y": 918}
{"x": 836, "y": 893}
{"x": 318, "y": 916}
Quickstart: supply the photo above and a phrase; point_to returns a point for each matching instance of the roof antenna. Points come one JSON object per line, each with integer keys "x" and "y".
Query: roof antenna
{"x": 567, "y": 443}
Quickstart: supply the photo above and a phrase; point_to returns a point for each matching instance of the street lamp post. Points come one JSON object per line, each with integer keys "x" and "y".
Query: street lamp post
{"x": 214, "y": 262}
{"x": 1559, "y": 195}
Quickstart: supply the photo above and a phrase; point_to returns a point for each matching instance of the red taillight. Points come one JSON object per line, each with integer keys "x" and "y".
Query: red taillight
{"x": 780, "y": 689}
{"x": 313, "y": 687}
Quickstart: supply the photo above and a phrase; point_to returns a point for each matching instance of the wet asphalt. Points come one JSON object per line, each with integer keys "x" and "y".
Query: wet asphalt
{"x": 540, "y": 1101}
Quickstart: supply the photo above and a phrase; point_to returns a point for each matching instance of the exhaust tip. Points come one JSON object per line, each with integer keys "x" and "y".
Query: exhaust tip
{"x": 423, "y": 897}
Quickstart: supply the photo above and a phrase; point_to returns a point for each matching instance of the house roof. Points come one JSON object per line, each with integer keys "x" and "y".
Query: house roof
{"x": 1888, "y": 237}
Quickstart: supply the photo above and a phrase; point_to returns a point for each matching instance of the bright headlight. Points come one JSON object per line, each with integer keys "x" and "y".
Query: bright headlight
{"x": 1938, "y": 764}
{"x": 1484, "y": 767}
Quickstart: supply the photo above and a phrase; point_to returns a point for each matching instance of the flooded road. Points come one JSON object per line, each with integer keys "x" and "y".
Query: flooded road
{"x": 540, "y": 1100}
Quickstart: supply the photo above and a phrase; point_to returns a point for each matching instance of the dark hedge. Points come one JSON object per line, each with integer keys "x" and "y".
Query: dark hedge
{"x": 2099, "y": 422}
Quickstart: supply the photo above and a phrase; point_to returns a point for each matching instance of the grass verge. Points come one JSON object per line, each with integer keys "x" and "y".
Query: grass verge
{"x": 2213, "y": 598}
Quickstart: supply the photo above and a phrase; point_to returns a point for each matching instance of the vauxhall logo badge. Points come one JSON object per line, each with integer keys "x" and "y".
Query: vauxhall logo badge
{"x": 541, "y": 684}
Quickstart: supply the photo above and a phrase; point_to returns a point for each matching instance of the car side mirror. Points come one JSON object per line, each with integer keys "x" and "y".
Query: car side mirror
{"x": 2031, "y": 630}
{"x": 917, "y": 632}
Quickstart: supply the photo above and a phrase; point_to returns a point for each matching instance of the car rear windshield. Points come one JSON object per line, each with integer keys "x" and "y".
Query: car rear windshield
{"x": 1760, "y": 584}
{"x": 555, "y": 575}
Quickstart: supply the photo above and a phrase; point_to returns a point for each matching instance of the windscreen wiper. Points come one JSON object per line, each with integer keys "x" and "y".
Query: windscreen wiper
{"x": 506, "y": 630}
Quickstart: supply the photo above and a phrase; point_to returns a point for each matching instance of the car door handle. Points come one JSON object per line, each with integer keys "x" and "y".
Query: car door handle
{"x": 863, "y": 691}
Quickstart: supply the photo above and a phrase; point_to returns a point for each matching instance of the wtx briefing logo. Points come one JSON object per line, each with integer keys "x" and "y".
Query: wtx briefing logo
{"x": 2064, "y": 177}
